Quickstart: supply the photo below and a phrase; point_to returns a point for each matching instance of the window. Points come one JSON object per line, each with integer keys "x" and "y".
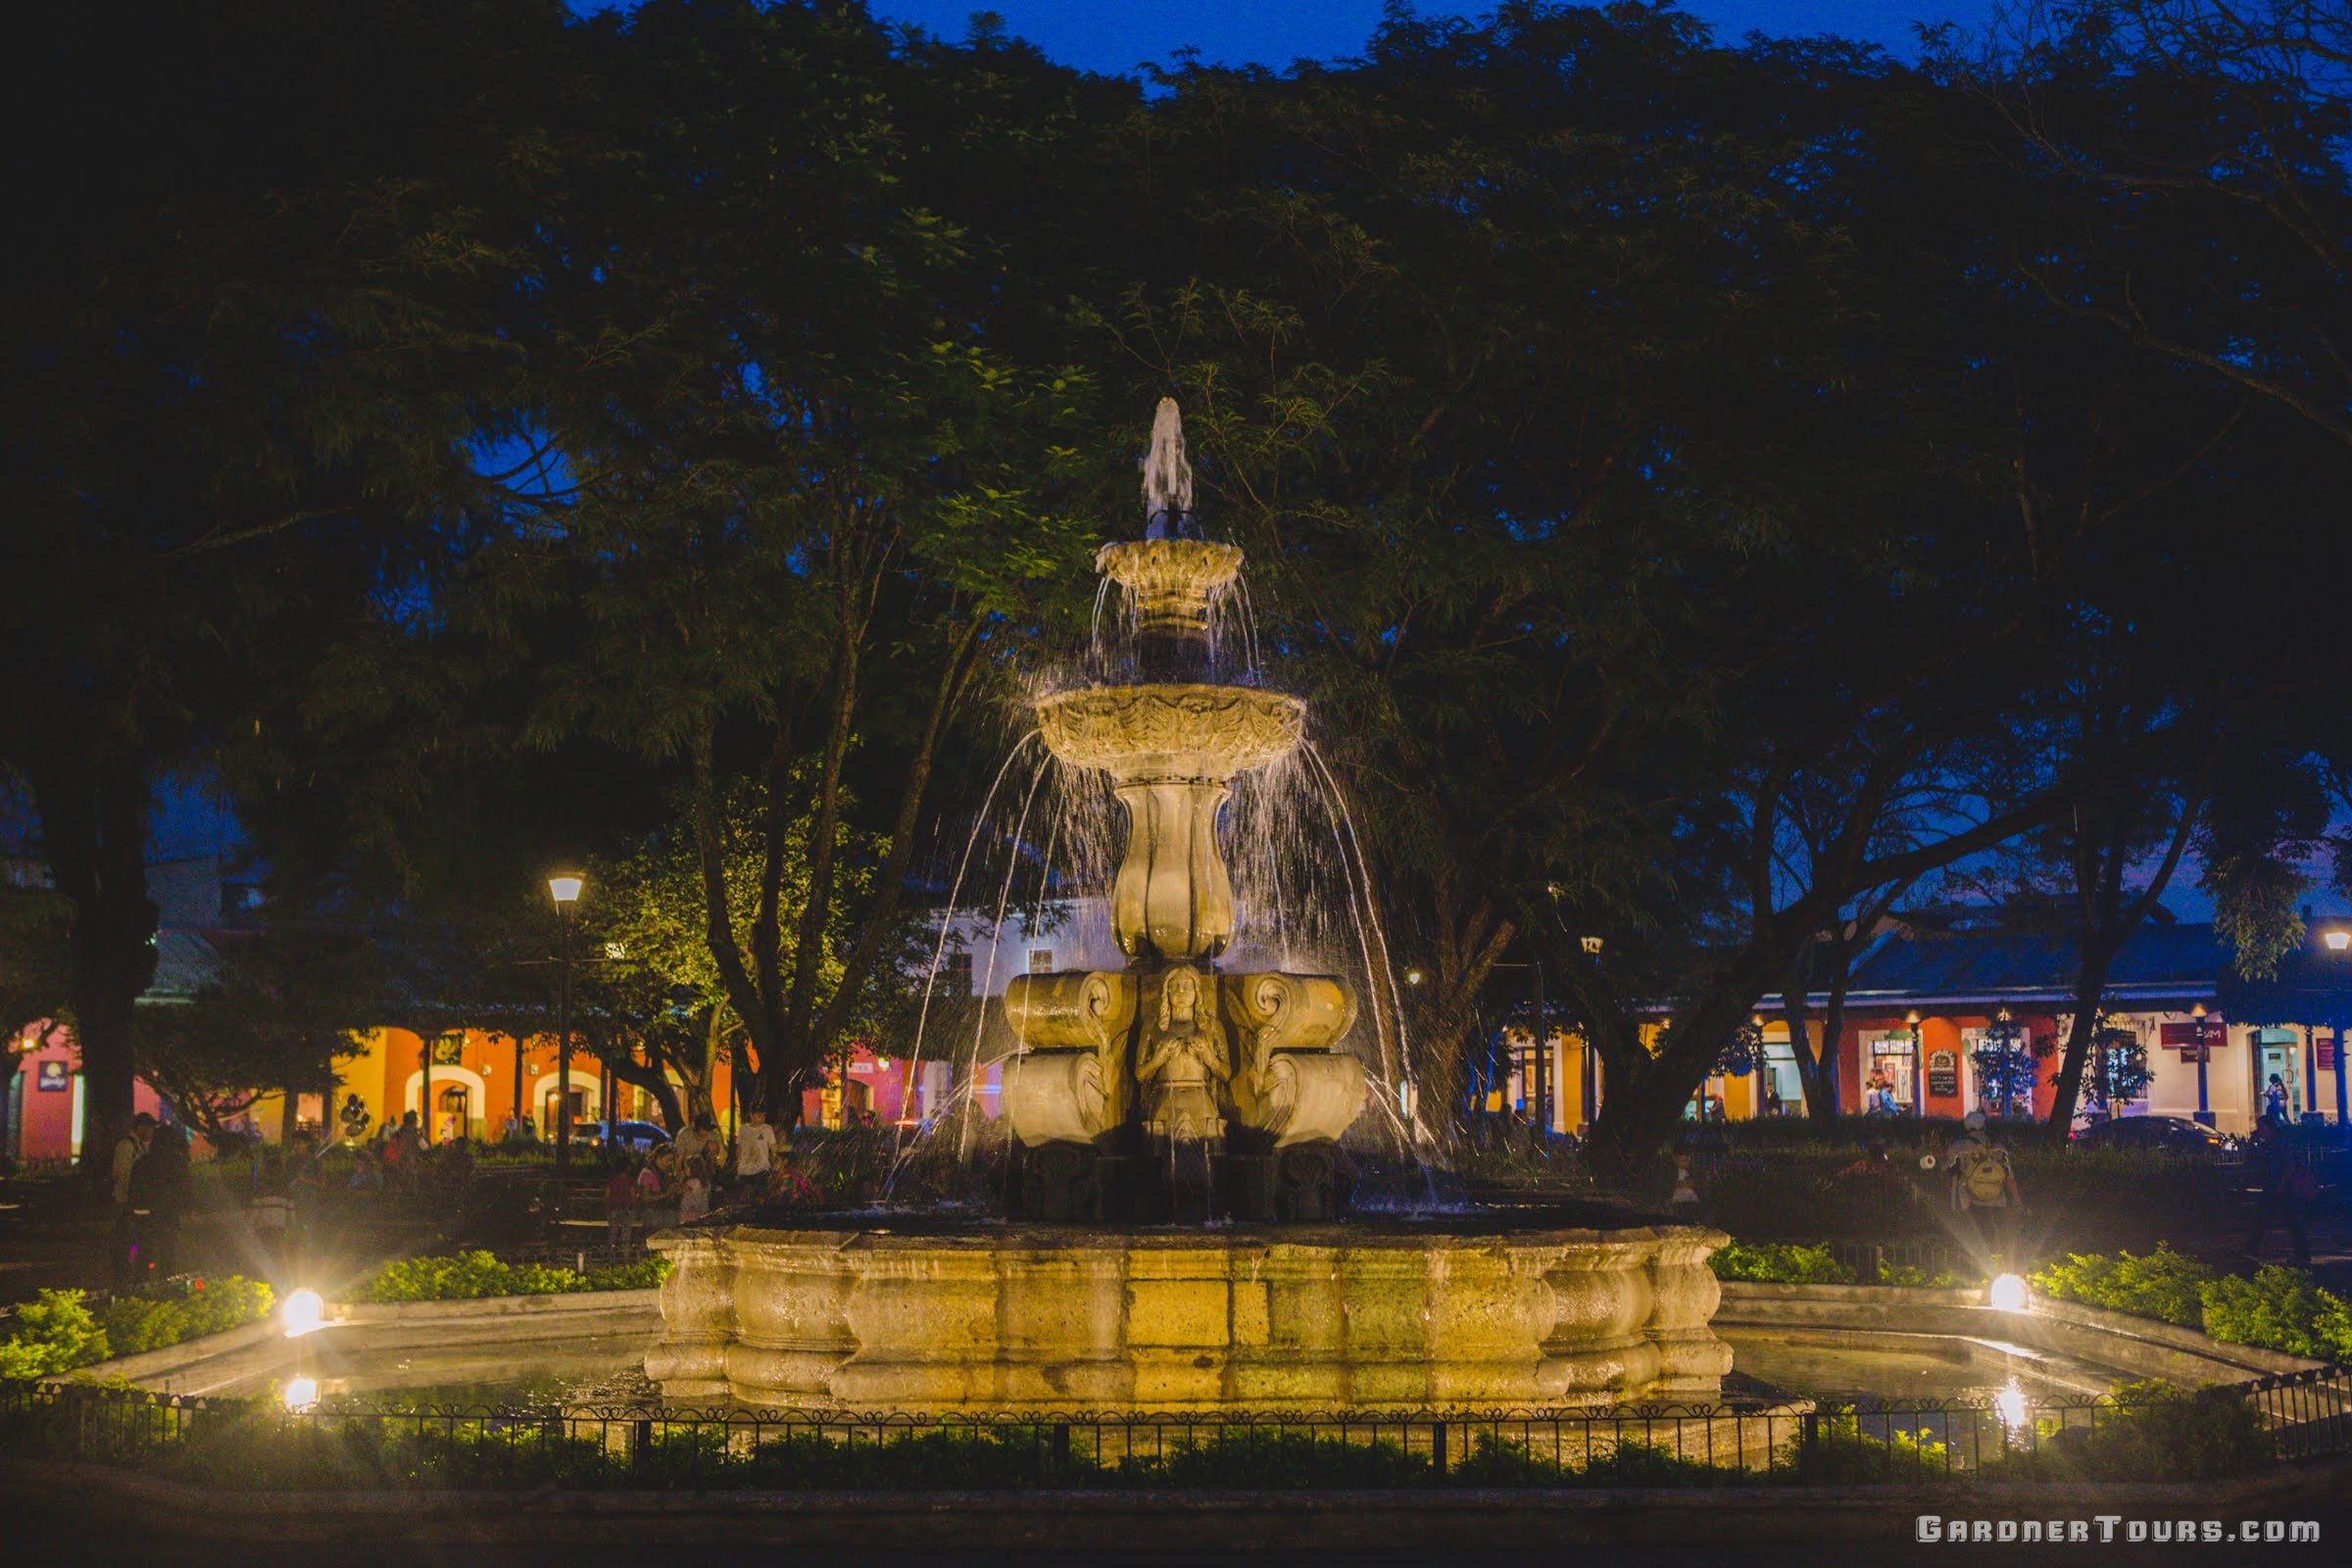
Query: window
{"x": 1041, "y": 960}
{"x": 1779, "y": 1081}
{"x": 955, "y": 976}
{"x": 1889, "y": 1066}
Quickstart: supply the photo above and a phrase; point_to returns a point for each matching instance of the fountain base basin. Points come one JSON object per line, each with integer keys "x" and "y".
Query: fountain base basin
{"x": 1017, "y": 1319}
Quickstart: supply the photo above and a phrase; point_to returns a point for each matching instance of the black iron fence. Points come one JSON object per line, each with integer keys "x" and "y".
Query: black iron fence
{"x": 335, "y": 1444}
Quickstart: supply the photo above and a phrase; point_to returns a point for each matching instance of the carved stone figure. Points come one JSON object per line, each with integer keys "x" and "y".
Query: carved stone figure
{"x": 1184, "y": 1062}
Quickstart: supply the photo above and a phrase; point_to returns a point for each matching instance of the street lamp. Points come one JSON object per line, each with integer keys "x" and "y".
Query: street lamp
{"x": 2199, "y": 1023}
{"x": 566, "y": 891}
{"x": 1919, "y": 1107}
{"x": 2339, "y": 939}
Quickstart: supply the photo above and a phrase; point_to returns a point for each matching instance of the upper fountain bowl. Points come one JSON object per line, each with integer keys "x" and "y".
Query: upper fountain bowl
{"x": 1173, "y": 580}
{"x": 1142, "y": 734}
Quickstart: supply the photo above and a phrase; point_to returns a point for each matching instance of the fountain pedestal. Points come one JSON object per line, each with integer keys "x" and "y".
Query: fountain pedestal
{"x": 1328, "y": 1318}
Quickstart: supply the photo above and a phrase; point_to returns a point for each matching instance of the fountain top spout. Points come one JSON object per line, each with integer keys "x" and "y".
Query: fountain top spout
{"x": 1168, "y": 477}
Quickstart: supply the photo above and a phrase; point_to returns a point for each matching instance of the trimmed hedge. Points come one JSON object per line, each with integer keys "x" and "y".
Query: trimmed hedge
{"x": 58, "y": 1332}
{"x": 1779, "y": 1263}
{"x": 2278, "y": 1309}
{"x": 471, "y": 1276}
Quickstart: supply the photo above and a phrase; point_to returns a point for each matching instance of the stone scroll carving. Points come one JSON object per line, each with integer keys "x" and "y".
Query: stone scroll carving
{"x": 1290, "y": 1082}
{"x": 1069, "y": 1082}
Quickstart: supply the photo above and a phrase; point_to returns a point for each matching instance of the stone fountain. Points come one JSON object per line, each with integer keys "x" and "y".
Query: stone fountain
{"x": 1144, "y": 1100}
{"x": 1167, "y": 1090}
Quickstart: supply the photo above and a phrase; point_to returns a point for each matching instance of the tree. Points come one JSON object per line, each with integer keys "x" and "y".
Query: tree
{"x": 809, "y": 502}
{"x": 285, "y": 1002}
{"x": 2219, "y": 119}
{"x": 245, "y": 369}
{"x": 656, "y": 1005}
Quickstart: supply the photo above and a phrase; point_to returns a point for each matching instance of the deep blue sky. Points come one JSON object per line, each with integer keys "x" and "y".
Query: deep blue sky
{"x": 1115, "y": 35}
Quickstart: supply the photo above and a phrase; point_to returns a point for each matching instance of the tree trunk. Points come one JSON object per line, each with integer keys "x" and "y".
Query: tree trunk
{"x": 94, "y": 840}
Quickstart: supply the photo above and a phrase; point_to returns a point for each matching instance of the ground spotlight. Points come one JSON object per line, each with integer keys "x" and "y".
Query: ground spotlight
{"x": 2011, "y": 1402}
{"x": 300, "y": 1394}
{"x": 2008, "y": 1293}
{"x": 303, "y": 1312}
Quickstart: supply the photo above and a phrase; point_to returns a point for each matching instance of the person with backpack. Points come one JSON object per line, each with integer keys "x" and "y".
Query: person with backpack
{"x": 2289, "y": 1185}
{"x": 1984, "y": 1185}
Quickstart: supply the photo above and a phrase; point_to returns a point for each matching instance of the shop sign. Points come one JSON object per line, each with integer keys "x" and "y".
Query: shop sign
{"x": 51, "y": 1077}
{"x": 1943, "y": 1074}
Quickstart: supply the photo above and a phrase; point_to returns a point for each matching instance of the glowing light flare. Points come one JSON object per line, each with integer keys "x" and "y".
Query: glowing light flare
{"x": 2011, "y": 1404}
{"x": 300, "y": 1394}
{"x": 302, "y": 1312}
{"x": 2007, "y": 1294}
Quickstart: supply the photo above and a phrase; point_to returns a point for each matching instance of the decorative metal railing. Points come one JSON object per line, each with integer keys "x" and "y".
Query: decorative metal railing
{"x": 351, "y": 1443}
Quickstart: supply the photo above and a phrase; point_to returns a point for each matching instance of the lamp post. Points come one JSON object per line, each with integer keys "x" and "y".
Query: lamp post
{"x": 2199, "y": 1023}
{"x": 566, "y": 890}
{"x": 1589, "y": 1081}
{"x": 1919, "y": 1104}
{"x": 520, "y": 1066}
{"x": 2339, "y": 941}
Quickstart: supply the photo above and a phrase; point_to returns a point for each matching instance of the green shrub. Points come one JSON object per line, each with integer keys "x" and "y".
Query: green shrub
{"x": 1905, "y": 1274}
{"x": 643, "y": 1275}
{"x": 55, "y": 1334}
{"x": 2154, "y": 1432}
{"x": 1780, "y": 1263}
{"x": 2279, "y": 1309}
{"x": 469, "y": 1276}
{"x": 137, "y": 1323}
{"x": 1277, "y": 1461}
{"x": 1841, "y": 1452}
{"x": 2162, "y": 1284}
{"x": 250, "y": 1444}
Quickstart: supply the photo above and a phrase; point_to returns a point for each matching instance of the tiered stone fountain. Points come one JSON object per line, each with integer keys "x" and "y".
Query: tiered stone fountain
{"x": 1170, "y": 1092}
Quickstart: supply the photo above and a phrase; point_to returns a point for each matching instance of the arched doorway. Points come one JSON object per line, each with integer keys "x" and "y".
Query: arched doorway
{"x": 460, "y": 1102}
{"x": 587, "y": 1101}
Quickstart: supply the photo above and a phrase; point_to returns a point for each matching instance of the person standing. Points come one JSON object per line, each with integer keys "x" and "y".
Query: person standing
{"x": 2289, "y": 1185}
{"x": 697, "y": 1140}
{"x": 2275, "y": 1101}
{"x": 754, "y": 1152}
{"x": 163, "y": 1186}
{"x": 1984, "y": 1183}
{"x": 128, "y": 1151}
{"x": 657, "y": 1190}
{"x": 620, "y": 1202}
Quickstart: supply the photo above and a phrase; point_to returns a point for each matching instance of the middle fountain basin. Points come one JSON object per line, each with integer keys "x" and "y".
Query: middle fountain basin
{"x": 1329, "y": 1318}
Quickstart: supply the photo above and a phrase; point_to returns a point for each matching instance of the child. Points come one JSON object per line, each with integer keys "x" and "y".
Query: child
{"x": 654, "y": 1188}
{"x": 620, "y": 1204}
{"x": 694, "y": 1199}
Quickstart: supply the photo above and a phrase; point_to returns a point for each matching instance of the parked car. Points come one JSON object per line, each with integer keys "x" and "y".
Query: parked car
{"x": 637, "y": 1137}
{"x": 2168, "y": 1135}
